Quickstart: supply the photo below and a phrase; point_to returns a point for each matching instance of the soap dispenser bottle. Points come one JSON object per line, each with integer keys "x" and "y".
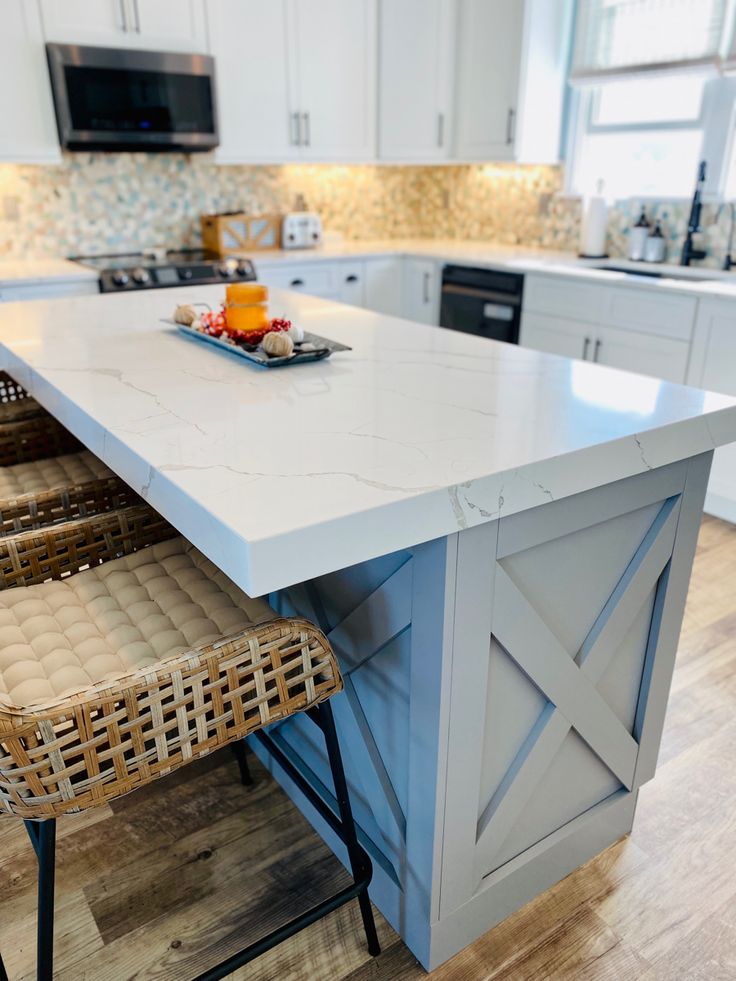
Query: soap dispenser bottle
{"x": 638, "y": 237}
{"x": 654, "y": 250}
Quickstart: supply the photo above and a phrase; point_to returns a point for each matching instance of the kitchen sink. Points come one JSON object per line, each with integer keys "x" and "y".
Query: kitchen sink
{"x": 656, "y": 274}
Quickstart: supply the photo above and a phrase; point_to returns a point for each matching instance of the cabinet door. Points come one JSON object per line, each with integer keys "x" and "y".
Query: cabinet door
{"x": 421, "y": 291}
{"x": 557, "y": 335}
{"x": 334, "y": 43}
{"x": 416, "y": 46}
{"x": 350, "y": 278}
{"x": 28, "y": 131}
{"x": 170, "y": 25}
{"x": 489, "y": 60}
{"x": 645, "y": 354}
{"x": 384, "y": 286}
{"x": 104, "y": 22}
{"x": 259, "y": 127}
{"x": 713, "y": 367}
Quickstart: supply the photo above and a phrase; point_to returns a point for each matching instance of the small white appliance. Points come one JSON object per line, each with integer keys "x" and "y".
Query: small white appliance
{"x": 301, "y": 230}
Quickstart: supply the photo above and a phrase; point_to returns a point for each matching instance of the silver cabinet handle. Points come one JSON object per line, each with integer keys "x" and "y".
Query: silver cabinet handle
{"x": 597, "y": 349}
{"x": 440, "y": 129}
{"x": 136, "y": 17}
{"x": 425, "y": 288}
{"x": 122, "y": 16}
{"x": 586, "y": 348}
{"x": 307, "y": 130}
{"x": 510, "y": 120}
{"x": 296, "y": 128}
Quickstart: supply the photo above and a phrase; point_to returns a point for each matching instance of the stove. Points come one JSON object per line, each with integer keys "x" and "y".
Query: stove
{"x": 161, "y": 268}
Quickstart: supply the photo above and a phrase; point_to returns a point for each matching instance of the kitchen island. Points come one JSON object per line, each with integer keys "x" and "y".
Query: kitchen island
{"x": 497, "y": 542}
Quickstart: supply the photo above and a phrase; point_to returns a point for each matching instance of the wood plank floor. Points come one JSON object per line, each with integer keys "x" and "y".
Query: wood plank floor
{"x": 174, "y": 877}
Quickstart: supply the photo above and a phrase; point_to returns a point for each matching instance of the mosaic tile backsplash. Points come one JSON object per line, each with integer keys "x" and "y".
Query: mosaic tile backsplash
{"x": 113, "y": 202}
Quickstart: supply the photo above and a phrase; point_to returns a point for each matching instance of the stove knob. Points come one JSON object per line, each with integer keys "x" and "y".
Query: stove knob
{"x": 120, "y": 277}
{"x": 244, "y": 268}
{"x": 228, "y": 267}
{"x": 141, "y": 276}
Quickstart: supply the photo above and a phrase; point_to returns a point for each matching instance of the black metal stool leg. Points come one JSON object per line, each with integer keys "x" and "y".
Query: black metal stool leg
{"x": 357, "y": 865}
{"x": 43, "y": 839}
{"x": 240, "y": 752}
{"x": 3, "y": 972}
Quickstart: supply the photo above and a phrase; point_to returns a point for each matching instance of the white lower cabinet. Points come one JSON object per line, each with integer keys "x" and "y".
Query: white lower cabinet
{"x": 421, "y": 291}
{"x": 384, "y": 285}
{"x": 630, "y": 350}
{"x": 351, "y": 283}
{"x": 556, "y": 335}
{"x": 644, "y": 330}
{"x": 391, "y": 285}
{"x": 713, "y": 367}
{"x": 313, "y": 278}
{"x": 646, "y": 354}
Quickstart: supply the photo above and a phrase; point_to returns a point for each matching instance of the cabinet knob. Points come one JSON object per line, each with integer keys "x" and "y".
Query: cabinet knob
{"x": 297, "y": 282}
{"x": 351, "y": 279}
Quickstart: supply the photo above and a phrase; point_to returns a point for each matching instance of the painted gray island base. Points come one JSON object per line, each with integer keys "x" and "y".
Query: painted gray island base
{"x": 505, "y": 693}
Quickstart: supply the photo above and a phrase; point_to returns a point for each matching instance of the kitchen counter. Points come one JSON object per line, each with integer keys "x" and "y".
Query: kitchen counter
{"x": 497, "y": 543}
{"x": 33, "y": 272}
{"x": 415, "y": 434}
{"x": 696, "y": 280}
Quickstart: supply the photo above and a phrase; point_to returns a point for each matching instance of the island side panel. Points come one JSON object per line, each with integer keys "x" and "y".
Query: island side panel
{"x": 567, "y": 619}
{"x": 391, "y": 624}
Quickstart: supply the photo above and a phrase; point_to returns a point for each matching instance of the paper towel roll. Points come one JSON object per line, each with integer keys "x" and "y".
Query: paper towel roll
{"x": 595, "y": 226}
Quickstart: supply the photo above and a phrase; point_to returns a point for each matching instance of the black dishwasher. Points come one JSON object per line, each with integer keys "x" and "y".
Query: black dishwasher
{"x": 486, "y": 302}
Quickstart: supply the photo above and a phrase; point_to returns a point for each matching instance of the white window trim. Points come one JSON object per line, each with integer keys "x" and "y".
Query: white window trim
{"x": 717, "y": 121}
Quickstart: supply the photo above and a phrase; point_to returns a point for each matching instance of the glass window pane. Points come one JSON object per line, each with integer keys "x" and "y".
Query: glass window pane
{"x": 643, "y": 163}
{"x": 673, "y": 98}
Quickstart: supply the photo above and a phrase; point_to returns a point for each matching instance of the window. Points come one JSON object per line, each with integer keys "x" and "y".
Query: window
{"x": 641, "y": 137}
{"x": 649, "y": 100}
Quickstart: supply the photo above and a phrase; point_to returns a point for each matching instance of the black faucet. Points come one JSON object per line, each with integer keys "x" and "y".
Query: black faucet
{"x": 688, "y": 252}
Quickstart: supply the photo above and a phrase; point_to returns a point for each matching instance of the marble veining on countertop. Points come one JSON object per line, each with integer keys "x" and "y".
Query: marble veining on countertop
{"x": 282, "y": 475}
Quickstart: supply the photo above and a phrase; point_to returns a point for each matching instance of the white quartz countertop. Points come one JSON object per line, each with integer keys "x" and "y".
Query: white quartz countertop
{"x": 281, "y": 475}
{"x": 697, "y": 280}
{"x": 30, "y": 272}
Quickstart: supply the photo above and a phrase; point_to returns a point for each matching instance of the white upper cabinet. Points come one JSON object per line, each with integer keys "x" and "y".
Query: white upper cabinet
{"x": 512, "y": 60}
{"x": 416, "y": 64}
{"x": 28, "y": 132}
{"x": 257, "y": 121}
{"x": 305, "y": 90}
{"x": 169, "y": 25}
{"x": 489, "y": 59}
{"x": 166, "y": 25}
{"x": 334, "y": 83}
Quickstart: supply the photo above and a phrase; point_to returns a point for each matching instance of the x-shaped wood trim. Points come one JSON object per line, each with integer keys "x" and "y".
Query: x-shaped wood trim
{"x": 570, "y": 684}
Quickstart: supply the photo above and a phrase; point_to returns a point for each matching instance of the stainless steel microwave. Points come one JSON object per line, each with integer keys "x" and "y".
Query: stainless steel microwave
{"x": 122, "y": 99}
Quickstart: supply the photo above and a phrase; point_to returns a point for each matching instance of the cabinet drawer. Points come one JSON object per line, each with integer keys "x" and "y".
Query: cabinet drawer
{"x": 315, "y": 278}
{"x": 558, "y": 296}
{"x": 652, "y": 311}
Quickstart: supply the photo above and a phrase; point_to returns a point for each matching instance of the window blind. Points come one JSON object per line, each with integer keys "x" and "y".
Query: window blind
{"x": 615, "y": 38}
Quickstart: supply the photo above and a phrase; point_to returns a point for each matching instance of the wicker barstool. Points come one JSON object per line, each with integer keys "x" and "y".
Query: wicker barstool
{"x": 15, "y": 402}
{"x": 47, "y": 476}
{"x": 126, "y": 654}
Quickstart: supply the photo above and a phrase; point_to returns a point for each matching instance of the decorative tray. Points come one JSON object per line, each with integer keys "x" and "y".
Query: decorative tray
{"x": 324, "y": 348}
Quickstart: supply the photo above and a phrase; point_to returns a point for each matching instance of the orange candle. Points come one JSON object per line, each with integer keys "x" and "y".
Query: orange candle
{"x": 246, "y": 306}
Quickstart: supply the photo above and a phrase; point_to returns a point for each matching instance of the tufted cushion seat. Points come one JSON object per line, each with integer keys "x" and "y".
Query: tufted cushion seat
{"x": 59, "y": 638}
{"x": 38, "y": 476}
